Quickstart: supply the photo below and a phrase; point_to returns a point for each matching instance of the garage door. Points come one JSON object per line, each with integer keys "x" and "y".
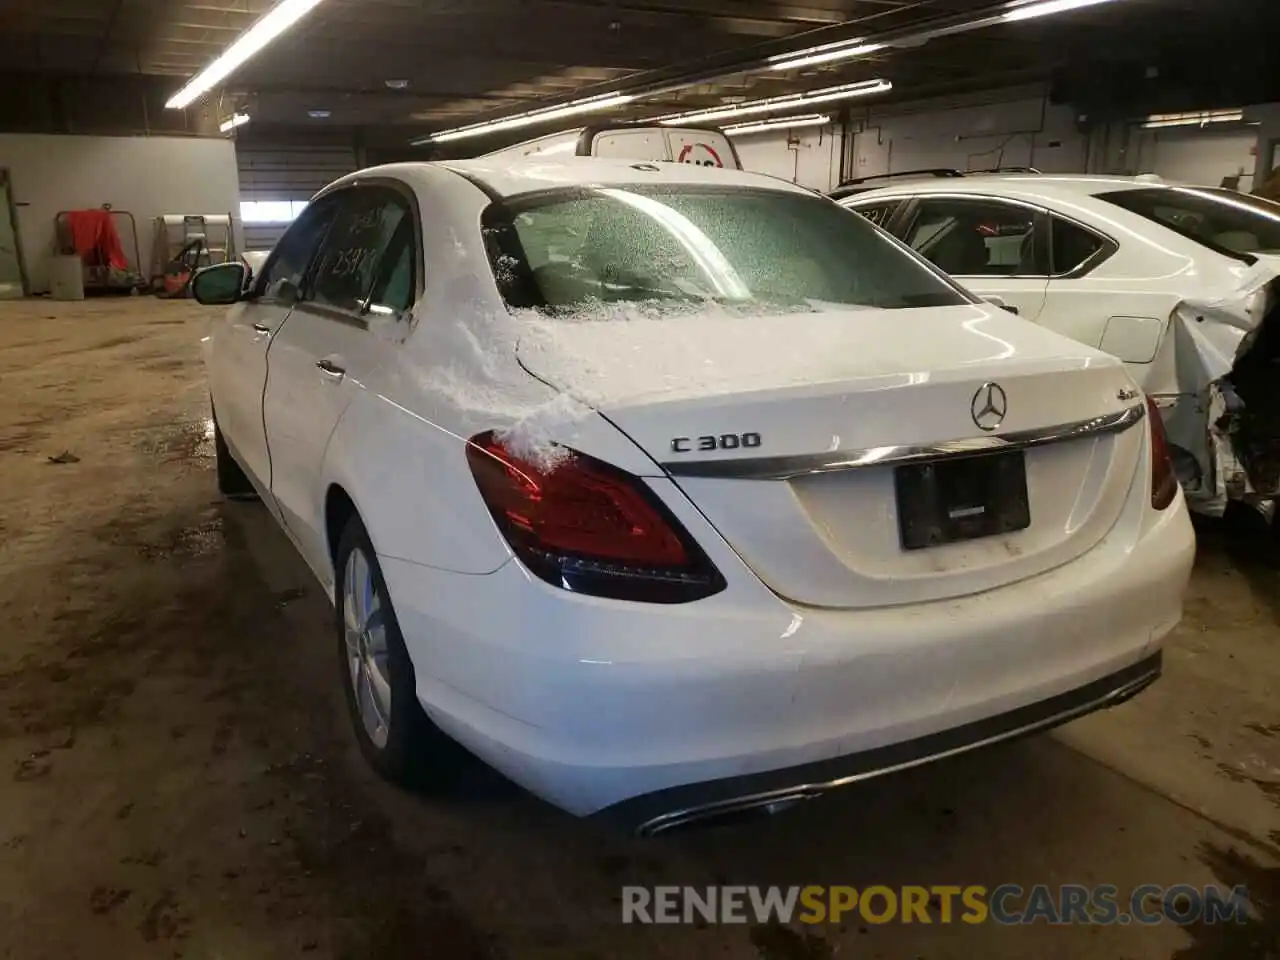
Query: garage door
{"x": 277, "y": 181}
{"x": 1203, "y": 157}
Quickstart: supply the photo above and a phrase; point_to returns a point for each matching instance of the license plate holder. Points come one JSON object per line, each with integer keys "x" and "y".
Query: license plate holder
{"x": 961, "y": 498}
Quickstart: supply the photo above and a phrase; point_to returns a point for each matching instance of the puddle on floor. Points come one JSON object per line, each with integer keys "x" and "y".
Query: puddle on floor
{"x": 189, "y": 440}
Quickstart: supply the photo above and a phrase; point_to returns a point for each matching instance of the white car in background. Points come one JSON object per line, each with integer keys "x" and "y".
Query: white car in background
{"x": 620, "y": 474}
{"x": 1176, "y": 281}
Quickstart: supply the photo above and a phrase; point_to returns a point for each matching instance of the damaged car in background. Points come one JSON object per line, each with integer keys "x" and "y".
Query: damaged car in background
{"x": 1178, "y": 282}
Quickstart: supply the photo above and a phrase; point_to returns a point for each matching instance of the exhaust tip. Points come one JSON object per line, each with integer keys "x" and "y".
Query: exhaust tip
{"x": 725, "y": 813}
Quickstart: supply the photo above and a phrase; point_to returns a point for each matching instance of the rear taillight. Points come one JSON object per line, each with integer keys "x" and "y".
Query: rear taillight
{"x": 589, "y": 527}
{"x": 1164, "y": 481}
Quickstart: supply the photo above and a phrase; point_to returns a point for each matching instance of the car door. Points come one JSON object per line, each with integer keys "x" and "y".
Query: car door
{"x": 993, "y": 246}
{"x": 326, "y": 352}
{"x": 238, "y": 359}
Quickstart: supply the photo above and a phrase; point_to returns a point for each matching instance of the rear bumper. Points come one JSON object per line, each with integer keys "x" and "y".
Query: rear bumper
{"x": 590, "y": 703}
{"x": 677, "y": 806}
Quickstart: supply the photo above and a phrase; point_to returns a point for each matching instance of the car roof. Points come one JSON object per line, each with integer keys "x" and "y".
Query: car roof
{"x": 1028, "y": 186}
{"x": 510, "y": 177}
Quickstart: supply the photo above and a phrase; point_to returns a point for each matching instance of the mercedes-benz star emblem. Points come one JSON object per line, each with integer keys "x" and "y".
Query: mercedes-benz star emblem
{"x": 989, "y": 406}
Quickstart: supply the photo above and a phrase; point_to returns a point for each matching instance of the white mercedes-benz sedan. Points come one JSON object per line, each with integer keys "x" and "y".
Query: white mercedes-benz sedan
{"x": 671, "y": 492}
{"x": 1181, "y": 283}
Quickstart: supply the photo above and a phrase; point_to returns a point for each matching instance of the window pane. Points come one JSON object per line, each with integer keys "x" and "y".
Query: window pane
{"x": 685, "y": 246}
{"x": 393, "y": 290}
{"x": 1072, "y": 246}
{"x": 977, "y": 237}
{"x": 351, "y": 252}
{"x": 268, "y": 211}
{"x": 1230, "y": 223}
{"x": 271, "y": 211}
{"x": 282, "y": 276}
{"x": 878, "y": 213}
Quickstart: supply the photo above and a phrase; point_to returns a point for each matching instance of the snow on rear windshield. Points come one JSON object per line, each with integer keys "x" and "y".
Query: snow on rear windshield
{"x": 613, "y": 252}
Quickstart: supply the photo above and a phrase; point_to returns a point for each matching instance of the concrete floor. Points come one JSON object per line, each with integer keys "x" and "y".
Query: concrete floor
{"x": 182, "y": 782}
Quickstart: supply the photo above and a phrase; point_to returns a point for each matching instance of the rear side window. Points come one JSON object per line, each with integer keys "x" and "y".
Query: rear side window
{"x": 687, "y": 247}
{"x": 1224, "y": 221}
{"x": 1072, "y": 246}
{"x": 350, "y": 259}
{"x": 972, "y": 238}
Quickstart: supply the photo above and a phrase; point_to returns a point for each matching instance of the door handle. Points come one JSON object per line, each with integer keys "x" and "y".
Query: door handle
{"x": 331, "y": 369}
{"x": 261, "y": 330}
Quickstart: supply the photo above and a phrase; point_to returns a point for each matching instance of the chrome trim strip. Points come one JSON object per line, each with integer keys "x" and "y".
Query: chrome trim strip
{"x": 803, "y": 465}
{"x": 809, "y": 791}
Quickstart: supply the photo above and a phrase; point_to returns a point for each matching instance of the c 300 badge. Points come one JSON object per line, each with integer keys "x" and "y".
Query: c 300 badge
{"x": 725, "y": 441}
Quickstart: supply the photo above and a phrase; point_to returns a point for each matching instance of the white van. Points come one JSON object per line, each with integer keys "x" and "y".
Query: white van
{"x": 703, "y": 146}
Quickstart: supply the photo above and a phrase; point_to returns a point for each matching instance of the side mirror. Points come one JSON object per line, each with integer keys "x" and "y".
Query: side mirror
{"x": 993, "y": 300}
{"x": 221, "y": 284}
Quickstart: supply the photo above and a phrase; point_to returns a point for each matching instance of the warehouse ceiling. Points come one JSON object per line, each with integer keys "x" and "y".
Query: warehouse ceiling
{"x": 394, "y": 69}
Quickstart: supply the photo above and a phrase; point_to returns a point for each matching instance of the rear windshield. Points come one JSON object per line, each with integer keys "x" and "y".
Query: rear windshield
{"x": 1230, "y": 223}
{"x": 679, "y": 249}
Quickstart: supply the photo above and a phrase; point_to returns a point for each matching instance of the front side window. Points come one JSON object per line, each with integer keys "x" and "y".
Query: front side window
{"x": 353, "y": 250}
{"x": 977, "y": 238}
{"x": 1230, "y": 223}
{"x": 878, "y": 213}
{"x": 282, "y": 275}
{"x": 684, "y": 247}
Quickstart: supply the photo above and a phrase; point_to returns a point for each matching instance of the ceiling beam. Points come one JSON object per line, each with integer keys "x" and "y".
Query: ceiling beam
{"x": 745, "y": 12}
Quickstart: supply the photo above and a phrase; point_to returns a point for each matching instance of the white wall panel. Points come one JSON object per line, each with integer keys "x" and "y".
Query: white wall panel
{"x": 1267, "y": 118}
{"x": 1197, "y": 156}
{"x": 1005, "y": 128}
{"x": 811, "y": 158}
{"x": 147, "y": 176}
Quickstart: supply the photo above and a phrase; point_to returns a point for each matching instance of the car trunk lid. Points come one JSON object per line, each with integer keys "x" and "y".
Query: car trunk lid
{"x": 791, "y": 433}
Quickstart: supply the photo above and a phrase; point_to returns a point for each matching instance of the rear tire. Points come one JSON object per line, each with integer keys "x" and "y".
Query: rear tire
{"x": 395, "y": 735}
{"x": 232, "y": 480}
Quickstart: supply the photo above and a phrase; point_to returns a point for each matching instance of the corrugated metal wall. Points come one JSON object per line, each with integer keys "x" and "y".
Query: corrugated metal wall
{"x": 283, "y": 172}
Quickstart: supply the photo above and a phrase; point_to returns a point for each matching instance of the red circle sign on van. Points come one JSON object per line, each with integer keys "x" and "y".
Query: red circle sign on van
{"x": 700, "y": 153}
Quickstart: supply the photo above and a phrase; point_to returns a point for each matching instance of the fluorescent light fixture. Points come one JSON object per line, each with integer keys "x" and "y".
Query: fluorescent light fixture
{"x": 1030, "y": 9}
{"x": 863, "y": 46}
{"x": 771, "y": 104}
{"x": 781, "y": 123}
{"x": 826, "y": 53}
{"x": 1201, "y": 119}
{"x": 319, "y": 114}
{"x": 233, "y": 121}
{"x": 604, "y": 101}
{"x": 275, "y": 22}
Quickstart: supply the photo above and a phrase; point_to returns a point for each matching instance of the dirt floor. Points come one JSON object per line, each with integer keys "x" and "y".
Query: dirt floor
{"x": 181, "y": 782}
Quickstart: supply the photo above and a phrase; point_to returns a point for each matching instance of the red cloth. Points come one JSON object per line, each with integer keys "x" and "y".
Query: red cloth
{"x": 93, "y": 233}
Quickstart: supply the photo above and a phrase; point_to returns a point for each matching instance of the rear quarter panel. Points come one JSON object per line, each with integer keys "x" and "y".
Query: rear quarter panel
{"x": 399, "y": 451}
